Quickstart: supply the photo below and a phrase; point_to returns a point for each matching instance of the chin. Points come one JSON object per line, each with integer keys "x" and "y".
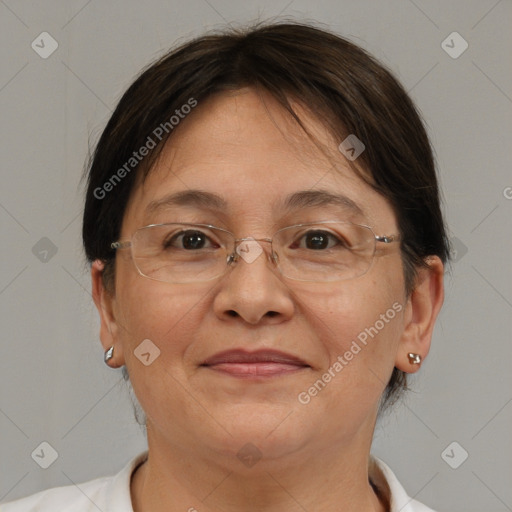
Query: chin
{"x": 262, "y": 431}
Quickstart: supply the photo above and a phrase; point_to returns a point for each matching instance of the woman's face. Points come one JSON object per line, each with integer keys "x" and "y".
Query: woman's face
{"x": 232, "y": 146}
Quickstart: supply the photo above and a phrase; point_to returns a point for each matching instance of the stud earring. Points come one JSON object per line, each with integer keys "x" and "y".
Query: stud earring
{"x": 414, "y": 358}
{"x": 109, "y": 354}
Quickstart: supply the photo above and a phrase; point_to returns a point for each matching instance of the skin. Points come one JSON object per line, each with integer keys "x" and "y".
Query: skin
{"x": 243, "y": 147}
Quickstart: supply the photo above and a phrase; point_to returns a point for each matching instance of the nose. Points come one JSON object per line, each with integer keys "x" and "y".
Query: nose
{"x": 253, "y": 289}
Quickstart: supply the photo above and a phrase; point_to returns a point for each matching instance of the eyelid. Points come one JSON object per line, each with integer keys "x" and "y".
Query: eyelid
{"x": 207, "y": 232}
{"x": 304, "y": 230}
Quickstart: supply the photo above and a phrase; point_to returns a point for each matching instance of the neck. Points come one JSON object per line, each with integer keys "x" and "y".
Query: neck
{"x": 176, "y": 479}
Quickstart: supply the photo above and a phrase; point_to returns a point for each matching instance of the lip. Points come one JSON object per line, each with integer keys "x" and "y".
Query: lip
{"x": 259, "y": 363}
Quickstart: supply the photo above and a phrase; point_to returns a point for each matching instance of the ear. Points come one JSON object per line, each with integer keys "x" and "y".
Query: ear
{"x": 109, "y": 328}
{"x": 421, "y": 312}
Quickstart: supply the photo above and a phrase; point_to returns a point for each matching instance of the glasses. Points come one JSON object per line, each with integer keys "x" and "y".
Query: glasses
{"x": 190, "y": 253}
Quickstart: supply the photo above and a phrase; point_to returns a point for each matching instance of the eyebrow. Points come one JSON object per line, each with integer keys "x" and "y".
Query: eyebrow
{"x": 197, "y": 198}
{"x": 315, "y": 198}
{"x": 296, "y": 201}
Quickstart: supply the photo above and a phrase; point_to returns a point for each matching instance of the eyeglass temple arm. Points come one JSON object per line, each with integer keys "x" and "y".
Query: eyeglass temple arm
{"x": 120, "y": 245}
{"x": 387, "y": 239}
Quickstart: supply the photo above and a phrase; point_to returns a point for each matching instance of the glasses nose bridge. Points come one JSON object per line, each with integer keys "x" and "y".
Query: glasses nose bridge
{"x": 270, "y": 240}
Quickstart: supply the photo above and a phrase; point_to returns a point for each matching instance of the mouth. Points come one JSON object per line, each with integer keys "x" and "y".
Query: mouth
{"x": 261, "y": 363}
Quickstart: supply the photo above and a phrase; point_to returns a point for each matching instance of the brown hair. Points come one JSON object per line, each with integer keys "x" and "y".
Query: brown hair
{"x": 342, "y": 84}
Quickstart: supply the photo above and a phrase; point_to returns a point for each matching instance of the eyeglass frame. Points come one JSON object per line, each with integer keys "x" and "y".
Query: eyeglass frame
{"x": 234, "y": 256}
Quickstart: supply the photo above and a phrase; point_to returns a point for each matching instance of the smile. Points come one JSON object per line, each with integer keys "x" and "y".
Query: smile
{"x": 262, "y": 363}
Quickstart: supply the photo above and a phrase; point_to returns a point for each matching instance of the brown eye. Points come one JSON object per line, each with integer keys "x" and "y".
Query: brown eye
{"x": 318, "y": 240}
{"x": 188, "y": 240}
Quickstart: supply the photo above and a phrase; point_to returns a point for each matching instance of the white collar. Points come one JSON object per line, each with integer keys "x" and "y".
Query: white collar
{"x": 119, "y": 499}
{"x": 400, "y": 501}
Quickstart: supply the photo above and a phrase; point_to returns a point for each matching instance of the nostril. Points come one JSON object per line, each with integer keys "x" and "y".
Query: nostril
{"x": 232, "y": 313}
{"x": 272, "y": 313}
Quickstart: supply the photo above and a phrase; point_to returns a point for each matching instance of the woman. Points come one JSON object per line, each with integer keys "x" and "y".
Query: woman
{"x": 267, "y": 248}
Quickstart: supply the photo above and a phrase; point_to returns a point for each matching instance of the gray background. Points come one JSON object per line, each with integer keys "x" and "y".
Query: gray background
{"x": 54, "y": 386}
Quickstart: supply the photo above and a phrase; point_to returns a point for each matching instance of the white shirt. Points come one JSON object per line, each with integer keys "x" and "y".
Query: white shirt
{"x": 112, "y": 494}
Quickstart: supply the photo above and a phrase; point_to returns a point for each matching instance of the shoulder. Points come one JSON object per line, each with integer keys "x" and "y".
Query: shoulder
{"x": 397, "y": 496}
{"x": 81, "y": 498}
{"x": 110, "y": 494}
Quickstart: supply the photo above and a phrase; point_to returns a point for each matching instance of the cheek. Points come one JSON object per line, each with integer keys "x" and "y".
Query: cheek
{"x": 359, "y": 325}
{"x": 345, "y": 312}
{"x": 169, "y": 317}
{"x": 166, "y": 314}
{"x": 358, "y": 329}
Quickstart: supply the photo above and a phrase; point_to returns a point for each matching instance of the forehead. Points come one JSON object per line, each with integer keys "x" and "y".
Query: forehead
{"x": 246, "y": 150}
